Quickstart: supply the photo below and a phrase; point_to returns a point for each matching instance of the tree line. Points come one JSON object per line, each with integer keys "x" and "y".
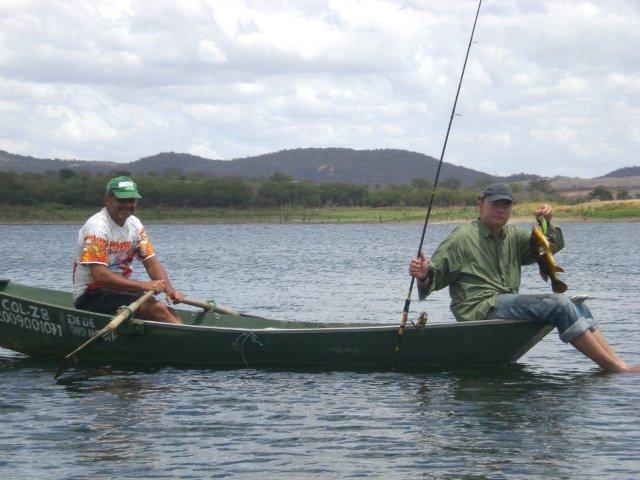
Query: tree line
{"x": 82, "y": 189}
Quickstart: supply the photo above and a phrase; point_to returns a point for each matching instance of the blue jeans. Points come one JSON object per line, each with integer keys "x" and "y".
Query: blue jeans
{"x": 570, "y": 319}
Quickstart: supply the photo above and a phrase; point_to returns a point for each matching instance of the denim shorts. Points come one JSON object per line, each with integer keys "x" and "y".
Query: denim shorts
{"x": 570, "y": 319}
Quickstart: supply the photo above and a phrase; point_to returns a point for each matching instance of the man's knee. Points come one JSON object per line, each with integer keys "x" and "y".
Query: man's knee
{"x": 153, "y": 310}
{"x": 569, "y": 320}
{"x": 160, "y": 311}
{"x": 560, "y": 304}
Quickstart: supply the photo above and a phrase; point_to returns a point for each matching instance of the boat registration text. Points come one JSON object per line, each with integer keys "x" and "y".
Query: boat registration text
{"x": 30, "y": 317}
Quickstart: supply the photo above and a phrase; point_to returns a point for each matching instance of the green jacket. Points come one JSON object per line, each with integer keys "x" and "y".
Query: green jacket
{"x": 477, "y": 267}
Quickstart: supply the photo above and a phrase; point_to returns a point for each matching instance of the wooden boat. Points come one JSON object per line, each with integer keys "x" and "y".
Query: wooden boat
{"x": 42, "y": 322}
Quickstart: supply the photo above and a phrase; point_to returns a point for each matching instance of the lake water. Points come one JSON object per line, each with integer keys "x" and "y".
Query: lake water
{"x": 555, "y": 415}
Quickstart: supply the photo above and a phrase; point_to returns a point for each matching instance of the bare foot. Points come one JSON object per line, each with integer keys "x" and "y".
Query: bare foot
{"x": 628, "y": 369}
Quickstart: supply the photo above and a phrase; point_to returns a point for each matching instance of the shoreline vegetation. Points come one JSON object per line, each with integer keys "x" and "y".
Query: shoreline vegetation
{"x": 594, "y": 211}
{"x": 71, "y": 197}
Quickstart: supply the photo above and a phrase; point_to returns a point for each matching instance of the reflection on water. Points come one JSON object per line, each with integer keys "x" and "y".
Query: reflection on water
{"x": 554, "y": 415}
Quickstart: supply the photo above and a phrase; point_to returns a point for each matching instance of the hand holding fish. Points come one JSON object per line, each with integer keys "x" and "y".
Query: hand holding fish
{"x": 544, "y": 211}
{"x": 543, "y": 253}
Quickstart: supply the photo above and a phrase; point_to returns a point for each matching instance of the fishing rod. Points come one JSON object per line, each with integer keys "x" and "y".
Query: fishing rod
{"x": 407, "y": 303}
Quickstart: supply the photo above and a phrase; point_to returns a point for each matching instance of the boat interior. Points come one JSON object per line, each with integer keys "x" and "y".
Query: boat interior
{"x": 189, "y": 315}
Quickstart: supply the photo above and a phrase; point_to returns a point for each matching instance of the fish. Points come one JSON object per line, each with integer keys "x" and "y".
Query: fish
{"x": 544, "y": 256}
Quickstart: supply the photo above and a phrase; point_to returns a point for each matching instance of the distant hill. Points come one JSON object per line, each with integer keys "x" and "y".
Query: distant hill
{"x": 10, "y": 162}
{"x": 370, "y": 167}
{"x": 520, "y": 177}
{"x": 580, "y": 187}
{"x": 624, "y": 172}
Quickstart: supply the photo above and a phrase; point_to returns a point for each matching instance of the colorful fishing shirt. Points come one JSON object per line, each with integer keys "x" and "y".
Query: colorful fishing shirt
{"x": 102, "y": 241}
{"x": 477, "y": 267}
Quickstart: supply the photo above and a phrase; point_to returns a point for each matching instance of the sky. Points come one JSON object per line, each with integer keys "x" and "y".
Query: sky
{"x": 551, "y": 87}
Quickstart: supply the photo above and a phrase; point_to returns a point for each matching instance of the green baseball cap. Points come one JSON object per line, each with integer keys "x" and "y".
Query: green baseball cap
{"x": 123, "y": 187}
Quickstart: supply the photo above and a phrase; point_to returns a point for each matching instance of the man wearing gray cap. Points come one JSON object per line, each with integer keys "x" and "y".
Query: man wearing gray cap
{"x": 481, "y": 264}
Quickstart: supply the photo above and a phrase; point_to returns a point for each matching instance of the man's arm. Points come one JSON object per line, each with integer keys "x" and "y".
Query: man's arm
{"x": 556, "y": 238}
{"x": 424, "y": 286}
{"x": 437, "y": 273}
{"x": 156, "y": 272}
{"x": 107, "y": 279}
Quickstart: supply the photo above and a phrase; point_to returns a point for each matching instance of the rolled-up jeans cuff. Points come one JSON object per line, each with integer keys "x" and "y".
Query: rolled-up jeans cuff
{"x": 578, "y": 328}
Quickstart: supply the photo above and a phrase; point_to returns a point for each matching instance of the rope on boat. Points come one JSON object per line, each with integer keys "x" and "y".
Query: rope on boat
{"x": 242, "y": 339}
{"x": 199, "y": 317}
{"x": 125, "y": 308}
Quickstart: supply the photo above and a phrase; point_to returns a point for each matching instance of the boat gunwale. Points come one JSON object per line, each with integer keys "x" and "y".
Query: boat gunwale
{"x": 272, "y": 330}
{"x": 346, "y": 329}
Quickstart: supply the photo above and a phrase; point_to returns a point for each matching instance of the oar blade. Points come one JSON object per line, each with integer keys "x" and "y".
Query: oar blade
{"x": 121, "y": 316}
{"x": 67, "y": 360}
{"x": 63, "y": 366}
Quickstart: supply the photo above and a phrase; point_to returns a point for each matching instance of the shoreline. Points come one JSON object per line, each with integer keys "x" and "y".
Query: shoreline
{"x": 519, "y": 219}
{"x": 51, "y": 214}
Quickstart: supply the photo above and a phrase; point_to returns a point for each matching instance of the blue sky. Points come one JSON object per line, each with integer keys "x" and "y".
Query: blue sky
{"x": 551, "y": 88}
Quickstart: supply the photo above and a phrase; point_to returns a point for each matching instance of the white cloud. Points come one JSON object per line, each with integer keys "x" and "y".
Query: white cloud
{"x": 208, "y": 51}
{"x": 77, "y": 127}
{"x": 203, "y": 148}
{"x": 550, "y": 85}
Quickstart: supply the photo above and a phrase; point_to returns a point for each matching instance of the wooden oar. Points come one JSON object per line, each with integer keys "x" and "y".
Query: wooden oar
{"x": 115, "y": 322}
{"x": 210, "y": 306}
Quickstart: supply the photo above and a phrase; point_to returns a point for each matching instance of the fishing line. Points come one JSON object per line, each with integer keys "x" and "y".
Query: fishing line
{"x": 407, "y": 303}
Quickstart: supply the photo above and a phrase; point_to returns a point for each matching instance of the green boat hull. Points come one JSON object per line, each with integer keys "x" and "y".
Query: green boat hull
{"x": 42, "y": 322}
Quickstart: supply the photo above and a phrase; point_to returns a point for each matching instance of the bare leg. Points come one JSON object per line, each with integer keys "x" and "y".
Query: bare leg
{"x": 588, "y": 344}
{"x": 157, "y": 311}
{"x": 175, "y": 316}
{"x": 604, "y": 344}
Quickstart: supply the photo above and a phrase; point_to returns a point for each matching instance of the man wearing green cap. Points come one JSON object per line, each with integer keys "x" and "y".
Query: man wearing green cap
{"x": 107, "y": 244}
{"x": 481, "y": 264}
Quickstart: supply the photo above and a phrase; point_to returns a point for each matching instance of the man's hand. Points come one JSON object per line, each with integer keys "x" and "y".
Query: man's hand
{"x": 156, "y": 285}
{"x": 418, "y": 267}
{"x": 544, "y": 211}
{"x": 173, "y": 296}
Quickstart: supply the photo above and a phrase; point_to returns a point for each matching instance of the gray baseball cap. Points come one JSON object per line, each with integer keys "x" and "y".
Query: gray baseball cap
{"x": 498, "y": 191}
